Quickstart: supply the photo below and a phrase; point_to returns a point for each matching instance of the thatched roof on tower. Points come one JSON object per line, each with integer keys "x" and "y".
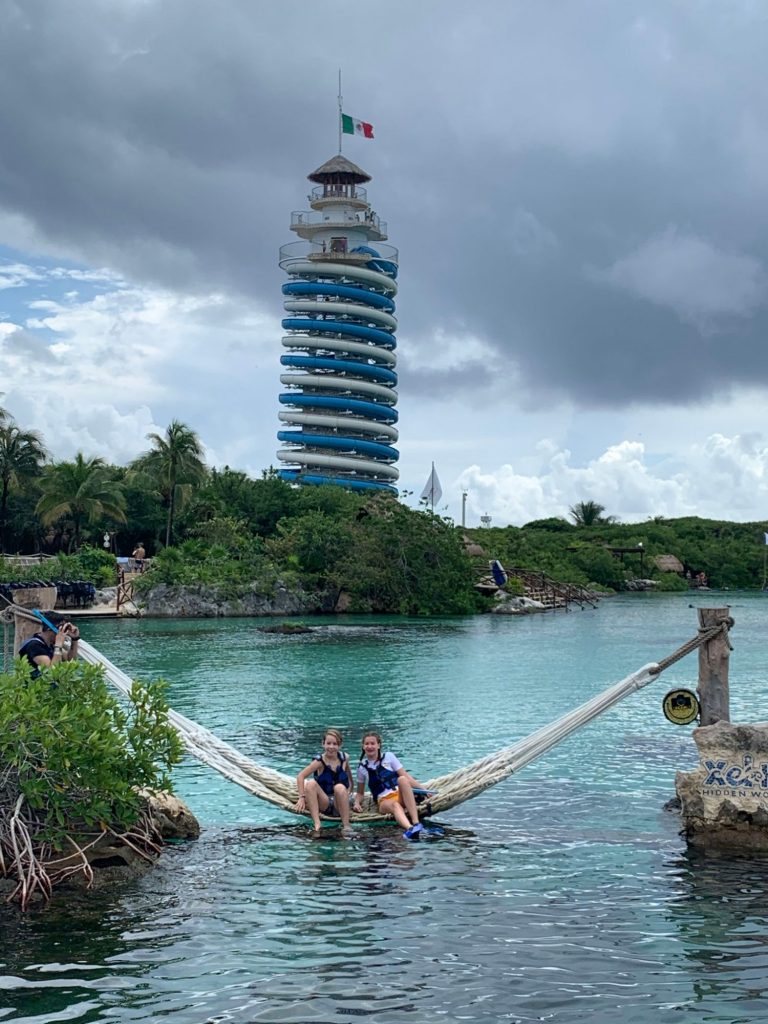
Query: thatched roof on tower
{"x": 339, "y": 169}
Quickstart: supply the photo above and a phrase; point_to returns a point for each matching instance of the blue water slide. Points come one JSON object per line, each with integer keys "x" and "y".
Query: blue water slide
{"x": 341, "y": 291}
{"x": 370, "y": 410}
{"x": 340, "y": 327}
{"x": 340, "y": 444}
{"x": 294, "y": 475}
{"x": 358, "y": 369}
{"x": 385, "y": 266}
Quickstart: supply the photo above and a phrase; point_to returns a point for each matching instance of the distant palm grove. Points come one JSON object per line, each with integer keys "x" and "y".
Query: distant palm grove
{"x": 222, "y": 529}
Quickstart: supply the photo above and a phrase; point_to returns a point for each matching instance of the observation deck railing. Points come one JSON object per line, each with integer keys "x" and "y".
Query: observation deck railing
{"x": 345, "y": 193}
{"x": 295, "y": 252}
{"x": 364, "y": 219}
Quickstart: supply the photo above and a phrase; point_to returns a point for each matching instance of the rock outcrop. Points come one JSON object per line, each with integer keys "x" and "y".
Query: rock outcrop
{"x": 170, "y": 816}
{"x": 724, "y": 802}
{"x": 166, "y": 601}
{"x": 108, "y": 859}
{"x": 640, "y": 585}
{"x": 510, "y": 604}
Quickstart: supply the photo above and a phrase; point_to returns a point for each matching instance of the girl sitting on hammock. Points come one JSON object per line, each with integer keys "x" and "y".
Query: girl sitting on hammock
{"x": 390, "y": 784}
{"x": 330, "y": 787}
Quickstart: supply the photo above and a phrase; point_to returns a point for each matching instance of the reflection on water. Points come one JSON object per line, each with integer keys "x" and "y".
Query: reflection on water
{"x": 562, "y": 895}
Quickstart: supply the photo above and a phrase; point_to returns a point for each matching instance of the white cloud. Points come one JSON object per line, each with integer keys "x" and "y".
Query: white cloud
{"x": 723, "y": 478}
{"x": 97, "y": 373}
{"x": 689, "y": 275}
{"x": 16, "y": 275}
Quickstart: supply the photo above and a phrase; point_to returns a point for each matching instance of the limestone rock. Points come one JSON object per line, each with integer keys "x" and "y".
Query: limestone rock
{"x": 165, "y": 601}
{"x": 509, "y": 604}
{"x": 171, "y": 816}
{"x": 639, "y": 585}
{"x": 724, "y": 801}
{"x": 286, "y": 629}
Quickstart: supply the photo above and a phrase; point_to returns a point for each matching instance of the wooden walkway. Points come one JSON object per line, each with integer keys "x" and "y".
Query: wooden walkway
{"x": 542, "y": 588}
{"x": 122, "y": 606}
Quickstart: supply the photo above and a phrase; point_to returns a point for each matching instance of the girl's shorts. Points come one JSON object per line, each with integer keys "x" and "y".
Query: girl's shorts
{"x": 332, "y": 810}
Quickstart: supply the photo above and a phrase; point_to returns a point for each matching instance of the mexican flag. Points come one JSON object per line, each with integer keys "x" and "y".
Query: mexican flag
{"x": 351, "y": 126}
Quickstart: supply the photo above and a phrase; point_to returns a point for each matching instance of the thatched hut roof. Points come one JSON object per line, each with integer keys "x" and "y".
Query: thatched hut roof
{"x": 471, "y": 547}
{"x": 668, "y": 563}
{"x": 339, "y": 169}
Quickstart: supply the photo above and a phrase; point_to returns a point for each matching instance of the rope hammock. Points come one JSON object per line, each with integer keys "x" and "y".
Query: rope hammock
{"x": 453, "y": 788}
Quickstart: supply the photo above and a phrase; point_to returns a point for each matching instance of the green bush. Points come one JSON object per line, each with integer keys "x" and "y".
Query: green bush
{"x": 78, "y": 752}
{"x": 97, "y": 566}
{"x": 233, "y": 564}
{"x": 671, "y": 582}
{"x": 93, "y": 565}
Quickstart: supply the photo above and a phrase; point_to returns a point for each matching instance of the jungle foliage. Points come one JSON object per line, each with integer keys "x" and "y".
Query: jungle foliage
{"x": 202, "y": 525}
{"x": 94, "y": 565}
{"x": 77, "y": 754}
{"x": 732, "y": 555}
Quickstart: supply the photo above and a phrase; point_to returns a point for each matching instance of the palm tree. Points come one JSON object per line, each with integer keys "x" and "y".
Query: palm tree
{"x": 22, "y": 454}
{"x": 174, "y": 464}
{"x": 589, "y": 513}
{"x": 83, "y": 490}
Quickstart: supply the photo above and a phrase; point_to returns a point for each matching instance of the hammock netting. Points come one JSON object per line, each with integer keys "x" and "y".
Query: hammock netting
{"x": 453, "y": 788}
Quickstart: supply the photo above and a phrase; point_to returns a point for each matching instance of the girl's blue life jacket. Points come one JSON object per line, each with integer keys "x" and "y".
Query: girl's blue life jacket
{"x": 330, "y": 777}
{"x": 380, "y": 778}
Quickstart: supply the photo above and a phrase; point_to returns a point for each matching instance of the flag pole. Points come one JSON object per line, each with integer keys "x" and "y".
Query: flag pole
{"x": 339, "y": 111}
{"x": 432, "y": 489}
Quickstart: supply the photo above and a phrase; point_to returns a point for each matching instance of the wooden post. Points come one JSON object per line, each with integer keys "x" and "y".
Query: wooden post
{"x": 43, "y": 598}
{"x": 713, "y": 669}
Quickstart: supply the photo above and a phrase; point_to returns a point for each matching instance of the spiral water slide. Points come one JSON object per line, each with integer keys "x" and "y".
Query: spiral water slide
{"x": 340, "y": 360}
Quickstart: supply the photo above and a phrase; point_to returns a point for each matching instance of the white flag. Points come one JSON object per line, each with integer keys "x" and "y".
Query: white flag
{"x": 433, "y": 492}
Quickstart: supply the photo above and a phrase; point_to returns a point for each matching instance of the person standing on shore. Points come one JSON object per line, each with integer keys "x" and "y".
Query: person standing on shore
{"x": 138, "y": 556}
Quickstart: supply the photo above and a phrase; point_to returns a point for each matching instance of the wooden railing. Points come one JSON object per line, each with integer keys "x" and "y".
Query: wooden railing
{"x": 540, "y": 587}
{"x": 124, "y": 589}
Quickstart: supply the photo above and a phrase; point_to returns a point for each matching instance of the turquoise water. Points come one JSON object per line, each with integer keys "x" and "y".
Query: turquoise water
{"x": 564, "y": 894}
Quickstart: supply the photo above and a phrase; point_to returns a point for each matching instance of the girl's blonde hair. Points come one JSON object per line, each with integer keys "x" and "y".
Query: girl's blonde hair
{"x": 336, "y": 735}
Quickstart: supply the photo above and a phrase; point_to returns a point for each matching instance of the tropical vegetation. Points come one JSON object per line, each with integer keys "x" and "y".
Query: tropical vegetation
{"x": 74, "y": 758}
{"x": 216, "y": 526}
{"x": 172, "y": 466}
{"x": 730, "y": 555}
{"x": 22, "y": 455}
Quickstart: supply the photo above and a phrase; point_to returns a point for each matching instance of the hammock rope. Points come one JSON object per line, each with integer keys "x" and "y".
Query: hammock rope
{"x": 453, "y": 788}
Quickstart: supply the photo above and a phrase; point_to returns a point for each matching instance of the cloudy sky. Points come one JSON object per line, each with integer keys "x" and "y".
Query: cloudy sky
{"x": 578, "y": 190}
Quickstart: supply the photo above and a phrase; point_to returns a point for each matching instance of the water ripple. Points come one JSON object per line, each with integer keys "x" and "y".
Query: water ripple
{"x": 564, "y": 895}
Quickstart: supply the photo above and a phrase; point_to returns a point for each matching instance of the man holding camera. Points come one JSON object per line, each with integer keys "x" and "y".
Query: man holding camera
{"x": 51, "y": 646}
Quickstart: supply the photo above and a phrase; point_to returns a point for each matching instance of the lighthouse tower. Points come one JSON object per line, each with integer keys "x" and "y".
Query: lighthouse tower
{"x": 338, "y": 409}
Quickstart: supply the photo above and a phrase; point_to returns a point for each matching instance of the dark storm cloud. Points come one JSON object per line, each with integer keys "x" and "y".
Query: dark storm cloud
{"x": 578, "y": 186}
